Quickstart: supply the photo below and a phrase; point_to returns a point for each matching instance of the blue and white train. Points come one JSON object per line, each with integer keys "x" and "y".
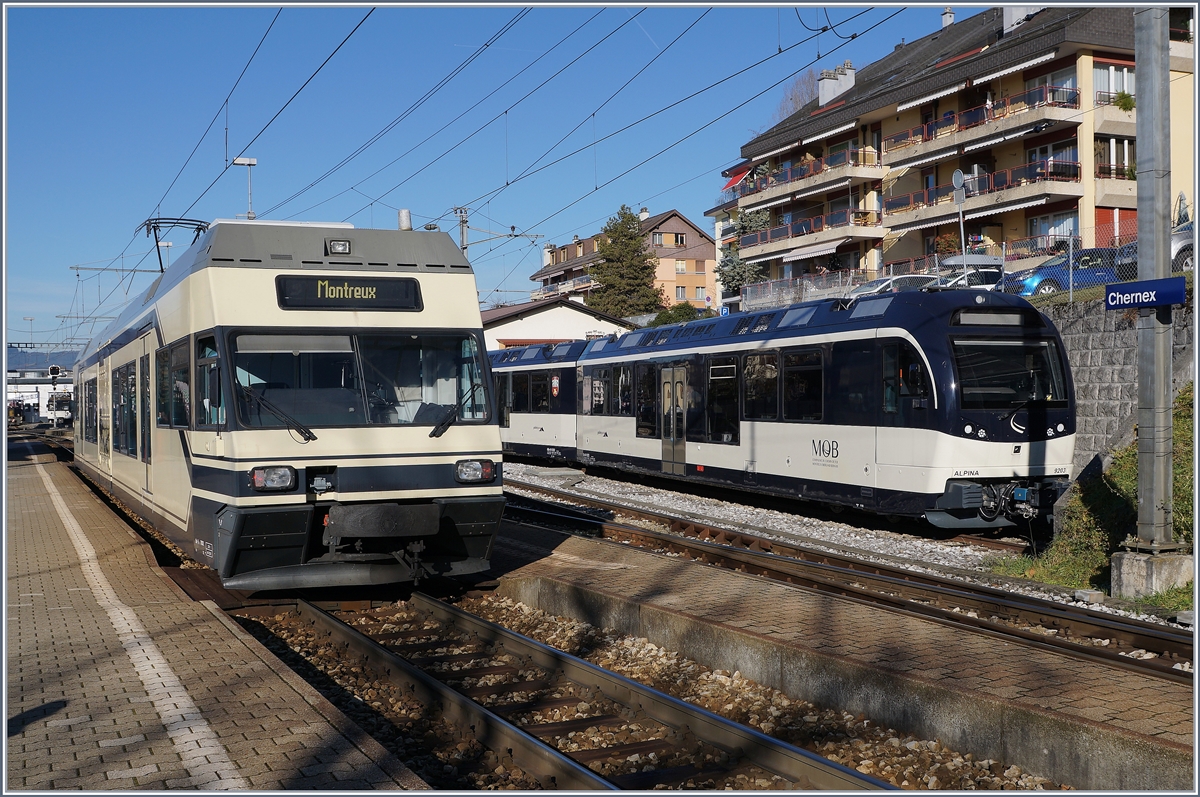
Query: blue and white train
{"x": 952, "y": 405}
{"x": 302, "y": 405}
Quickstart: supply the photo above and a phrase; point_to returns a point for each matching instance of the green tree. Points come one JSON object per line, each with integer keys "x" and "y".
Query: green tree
{"x": 678, "y": 314}
{"x": 625, "y": 273}
{"x": 733, "y": 272}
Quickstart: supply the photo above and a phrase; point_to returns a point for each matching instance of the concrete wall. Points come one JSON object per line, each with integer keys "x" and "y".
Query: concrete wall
{"x": 1102, "y": 350}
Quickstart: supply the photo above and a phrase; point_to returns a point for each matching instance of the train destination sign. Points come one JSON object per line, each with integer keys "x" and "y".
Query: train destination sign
{"x": 1148, "y": 293}
{"x": 347, "y": 293}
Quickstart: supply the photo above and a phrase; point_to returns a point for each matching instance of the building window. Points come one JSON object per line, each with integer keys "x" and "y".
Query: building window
{"x": 699, "y": 293}
{"x": 1063, "y": 78}
{"x": 656, "y": 238}
{"x": 1110, "y": 79}
{"x": 1115, "y": 157}
{"x": 680, "y": 266}
{"x": 1055, "y": 226}
{"x": 1062, "y": 152}
{"x": 680, "y": 240}
{"x": 680, "y": 293}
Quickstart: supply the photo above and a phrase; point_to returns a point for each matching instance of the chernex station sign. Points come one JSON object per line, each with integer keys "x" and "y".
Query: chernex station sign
{"x": 1148, "y": 293}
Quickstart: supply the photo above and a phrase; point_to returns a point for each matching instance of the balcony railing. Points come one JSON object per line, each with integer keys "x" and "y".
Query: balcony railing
{"x": 1032, "y": 172}
{"x": 1115, "y": 171}
{"x": 933, "y": 264}
{"x": 1108, "y": 97}
{"x": 555, "y": 288}
{"x": 839, "y": 218}
{"x": 845, "y": 157}
{"x": 1042, "y": 96}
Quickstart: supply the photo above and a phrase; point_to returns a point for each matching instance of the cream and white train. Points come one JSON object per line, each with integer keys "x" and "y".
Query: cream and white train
{"x": 302, "y": 405}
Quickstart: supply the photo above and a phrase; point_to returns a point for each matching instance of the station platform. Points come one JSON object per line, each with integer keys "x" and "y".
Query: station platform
{"x": 116, "y": 680}
{"x": 1086, "y": 725}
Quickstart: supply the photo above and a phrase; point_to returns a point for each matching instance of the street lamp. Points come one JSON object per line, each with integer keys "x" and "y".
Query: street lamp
{"x": 248, "y": 163}
{"x": 166, "y": 245}
{"x": 29, "y": 318}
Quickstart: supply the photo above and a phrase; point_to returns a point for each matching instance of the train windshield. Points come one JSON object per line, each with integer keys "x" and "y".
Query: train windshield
{"x": 358, "y": 380}
{"x": 1004, "y": 374}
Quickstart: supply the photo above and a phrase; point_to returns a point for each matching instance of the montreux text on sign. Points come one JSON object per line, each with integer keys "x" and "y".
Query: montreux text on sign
{"x": 1148, "y": 293}
{"x": 347, "y": 293}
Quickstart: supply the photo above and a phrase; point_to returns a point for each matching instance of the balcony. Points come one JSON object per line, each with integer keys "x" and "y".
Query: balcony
{"x": 1116, "y": 186}
{"x": 817, "y": 230}
{"x": 1040, "y": 180}
{"x": 1111, "y": 120}
{"x": 809, "y": 177}
{"x": 976, "y": 128}
{"x": 575, "y": 285}
{"x": 784, "y": 292}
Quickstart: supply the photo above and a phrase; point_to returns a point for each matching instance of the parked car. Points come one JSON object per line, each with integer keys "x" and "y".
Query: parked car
{"x": 981, "y": 278}
{"x": 1088, "y": 267}
{"x": 907, "y": 282}
{"x": 1183, "y": 244}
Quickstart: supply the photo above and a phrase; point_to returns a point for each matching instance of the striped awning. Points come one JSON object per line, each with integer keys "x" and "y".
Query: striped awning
{"x": 816, "y": 250}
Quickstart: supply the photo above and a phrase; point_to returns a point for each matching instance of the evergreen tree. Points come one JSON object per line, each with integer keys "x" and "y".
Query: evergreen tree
{"x": 683, "y": 311}
{"x": 626, "y": 272}
{"x": 733, "y": 272}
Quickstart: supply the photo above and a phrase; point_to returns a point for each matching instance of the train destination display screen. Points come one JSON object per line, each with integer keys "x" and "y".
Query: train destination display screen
{"x": 347, "y": 293}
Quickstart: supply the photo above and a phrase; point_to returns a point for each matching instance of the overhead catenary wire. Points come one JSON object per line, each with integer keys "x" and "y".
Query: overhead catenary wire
{"x": 490, "y": 194}
{"x": 702, "y": 127}
{"x": 280, "y": 111}
{"x": 420, "y": 101}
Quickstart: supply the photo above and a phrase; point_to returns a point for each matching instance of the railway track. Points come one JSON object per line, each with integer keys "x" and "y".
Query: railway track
{"x": 538, "y": 704}
{"x": 1130, "y": 644}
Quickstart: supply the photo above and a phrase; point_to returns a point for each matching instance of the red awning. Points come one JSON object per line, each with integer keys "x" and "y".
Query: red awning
{"x": 737, "y": 178}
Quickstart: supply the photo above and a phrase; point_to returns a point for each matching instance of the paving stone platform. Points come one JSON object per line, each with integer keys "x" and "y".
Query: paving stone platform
{"x": 1088, "y": 725}
{"x": 116, "y": 680}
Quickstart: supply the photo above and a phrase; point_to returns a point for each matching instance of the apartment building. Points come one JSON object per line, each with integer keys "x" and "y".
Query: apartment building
{"x": 1025, "y": 101}
{"x": 686, "y": 261}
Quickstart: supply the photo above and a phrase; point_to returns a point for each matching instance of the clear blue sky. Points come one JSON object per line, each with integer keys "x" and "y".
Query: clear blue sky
{"x": 104, "y": 106}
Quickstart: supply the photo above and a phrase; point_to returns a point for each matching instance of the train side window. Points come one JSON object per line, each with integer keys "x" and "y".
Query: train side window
{"x": 124, "y": 409}
{"x": 761, "y": 387}
{"x": 912, "y": 373}
{"x": 721, "y": 414}
{"x": 162, "y": 364}
{"x": 520, "y": 392}
{"x": 600, "y": 390}
{"x": 210, "y": 411}
{"x": 144, "y": 405}
{"x": 539, "y": 390}
{"x": 646, "y": 393}
{"x": 181, "y": 411}
{"x": 623, "y": 390}
{"x": 891, "y": 378}
{"x": 852, "y": 380}
{"x": 802, "y": 385}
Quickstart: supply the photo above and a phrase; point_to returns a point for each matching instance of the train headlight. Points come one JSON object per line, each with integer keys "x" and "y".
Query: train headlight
{"x": 968, "y": 429}
{"x": 474, "y": 470}
{"x": 981, "y": 434}
{"x": 273, "y": 479}
{"x": 339, "y": 247}
{"x": 1061, "y": 428}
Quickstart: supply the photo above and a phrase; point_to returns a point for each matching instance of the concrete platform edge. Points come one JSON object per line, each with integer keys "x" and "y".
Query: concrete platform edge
{"x": 368, "y": 746}
{"x": 1086, "y": 754}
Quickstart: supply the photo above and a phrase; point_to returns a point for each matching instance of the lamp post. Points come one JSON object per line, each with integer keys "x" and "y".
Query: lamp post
{"x": 248, "y": 163}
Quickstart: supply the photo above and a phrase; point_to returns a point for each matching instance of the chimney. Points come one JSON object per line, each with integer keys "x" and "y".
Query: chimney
{"x": 947, "y": 17}
{"x": 644, "y": 214}
{"x": 404, "y": 219}
{"x": 834, "y": 83}
{"x": 547, "y": 255}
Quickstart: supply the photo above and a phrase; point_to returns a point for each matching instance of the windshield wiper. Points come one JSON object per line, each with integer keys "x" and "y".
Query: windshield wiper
{"x": 452, "y": 416}
{"x": 291, "y": 422}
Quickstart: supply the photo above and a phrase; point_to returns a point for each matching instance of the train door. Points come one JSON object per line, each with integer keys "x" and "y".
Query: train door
{"x": 673, "y": 382}
{"x": 104, "y": 416}
{"x": 145, "y": 410}
{"x": 904, "y": 409}
{"x": 208, "y": 407}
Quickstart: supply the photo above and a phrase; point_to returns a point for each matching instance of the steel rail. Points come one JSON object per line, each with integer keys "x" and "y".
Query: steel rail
{"x": 797, "y": 765}
{"x": 901, "y": 590}
{"x": 548, "y": 765}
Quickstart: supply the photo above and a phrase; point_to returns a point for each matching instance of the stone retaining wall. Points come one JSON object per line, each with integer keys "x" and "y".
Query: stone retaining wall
{"x": 1102, "y": 349}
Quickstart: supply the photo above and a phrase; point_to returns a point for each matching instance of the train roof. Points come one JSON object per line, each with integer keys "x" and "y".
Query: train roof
{"x": 241, "y": 243}
{"x": 911, "y": 310}
{"x": 539, "y": 354}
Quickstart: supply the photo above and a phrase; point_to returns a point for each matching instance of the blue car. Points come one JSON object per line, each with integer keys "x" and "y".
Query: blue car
{"x": 1090, "y": 267}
